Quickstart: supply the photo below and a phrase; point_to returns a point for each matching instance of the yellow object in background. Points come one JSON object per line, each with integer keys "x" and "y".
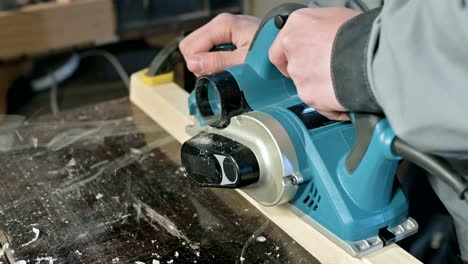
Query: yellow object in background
{"x": 156, "y": 80}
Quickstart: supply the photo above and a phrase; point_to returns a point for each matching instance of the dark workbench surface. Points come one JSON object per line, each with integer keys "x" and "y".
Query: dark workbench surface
{"x": 103, "y": 184}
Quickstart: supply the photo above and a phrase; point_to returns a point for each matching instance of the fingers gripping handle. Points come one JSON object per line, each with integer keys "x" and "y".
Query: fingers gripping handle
{"x": 280, "y": 14}
{"x": 257, "y": 57}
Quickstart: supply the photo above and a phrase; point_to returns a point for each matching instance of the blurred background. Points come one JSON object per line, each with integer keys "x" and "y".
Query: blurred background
{"x": 66, "y": 53}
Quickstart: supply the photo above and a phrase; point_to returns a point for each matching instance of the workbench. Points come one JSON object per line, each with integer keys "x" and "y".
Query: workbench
{"x": 103, "y": 184}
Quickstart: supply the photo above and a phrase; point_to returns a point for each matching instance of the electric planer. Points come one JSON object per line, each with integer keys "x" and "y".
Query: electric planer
{"x": 254, "y": 133}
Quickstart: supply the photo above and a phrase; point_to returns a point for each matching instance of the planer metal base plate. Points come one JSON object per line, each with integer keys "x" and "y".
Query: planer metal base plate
{"x": 363, "y": 247}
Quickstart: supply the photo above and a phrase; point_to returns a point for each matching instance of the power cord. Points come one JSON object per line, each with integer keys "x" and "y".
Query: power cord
{"x": 53, "y": 96}
{"x": 434, "y": 165}
{"x": 53, "y": 82}
{"x": 112, "y": 60}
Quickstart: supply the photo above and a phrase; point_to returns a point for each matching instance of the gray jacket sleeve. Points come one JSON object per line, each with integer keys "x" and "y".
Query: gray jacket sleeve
{"x": 362, "y": 5}
{"x": 410, "y": 61}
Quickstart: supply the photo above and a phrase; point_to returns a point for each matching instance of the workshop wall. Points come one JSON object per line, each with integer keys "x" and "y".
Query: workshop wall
{"x": 51, "y": 35}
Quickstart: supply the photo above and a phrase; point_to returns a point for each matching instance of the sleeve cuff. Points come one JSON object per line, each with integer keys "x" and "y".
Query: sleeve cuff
{"x": 349, "y": 64}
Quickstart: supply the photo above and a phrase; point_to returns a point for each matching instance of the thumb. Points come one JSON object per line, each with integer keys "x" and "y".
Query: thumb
{"x": 277, "y": 55}
{"x": 209, "y": 62}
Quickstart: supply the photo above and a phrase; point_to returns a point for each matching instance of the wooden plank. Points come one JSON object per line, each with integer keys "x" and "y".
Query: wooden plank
{"x": 49, "y": 26}
{"x": 167, "y": 105}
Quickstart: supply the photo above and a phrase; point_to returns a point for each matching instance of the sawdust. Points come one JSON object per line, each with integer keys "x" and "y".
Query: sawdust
{"x": 34, "y": 141}
{"x": 49, "y": 260}
{"x": 69, "y": 137}
{"x": 164, "y": 222}
{"x": 202, "y": 139}
{"x": 114, "y": 165}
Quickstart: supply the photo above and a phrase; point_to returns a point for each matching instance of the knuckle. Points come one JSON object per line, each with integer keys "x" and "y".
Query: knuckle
{"x": 224, "y": 18}
{"x": 286, "y": 40}
{"x": 294, "y": 15}
{"x": 303, "y": 11}
{"x": 212, "y": 63}
{"x": 183, "y": 46}
{"x": 306, "y": 98}
{"x": 272, "y": 54}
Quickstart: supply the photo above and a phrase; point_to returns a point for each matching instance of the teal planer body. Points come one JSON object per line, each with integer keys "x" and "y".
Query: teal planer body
{"x": 342, "y": 174}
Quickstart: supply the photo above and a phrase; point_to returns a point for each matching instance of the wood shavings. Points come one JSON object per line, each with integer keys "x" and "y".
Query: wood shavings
{"x": 251, "y": 239}
{"x": 36, "y": 236}
{"x": 69, "y": 137}
{"x": 35, "y": 141}
{"x": 71, "y": 163}
{"x": 135, "y": 151}
{"x": 18, "y": 135}
{"x": 163, "y": 221}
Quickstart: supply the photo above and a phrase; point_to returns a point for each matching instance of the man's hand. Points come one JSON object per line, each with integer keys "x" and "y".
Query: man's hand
{"x": 225, "y": 28}
{"x": 302, "y": 51}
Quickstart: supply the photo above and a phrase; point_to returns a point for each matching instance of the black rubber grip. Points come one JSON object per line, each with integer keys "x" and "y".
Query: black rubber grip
{"x": 166, "y": 58}
{"x": 364, "y": 124}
